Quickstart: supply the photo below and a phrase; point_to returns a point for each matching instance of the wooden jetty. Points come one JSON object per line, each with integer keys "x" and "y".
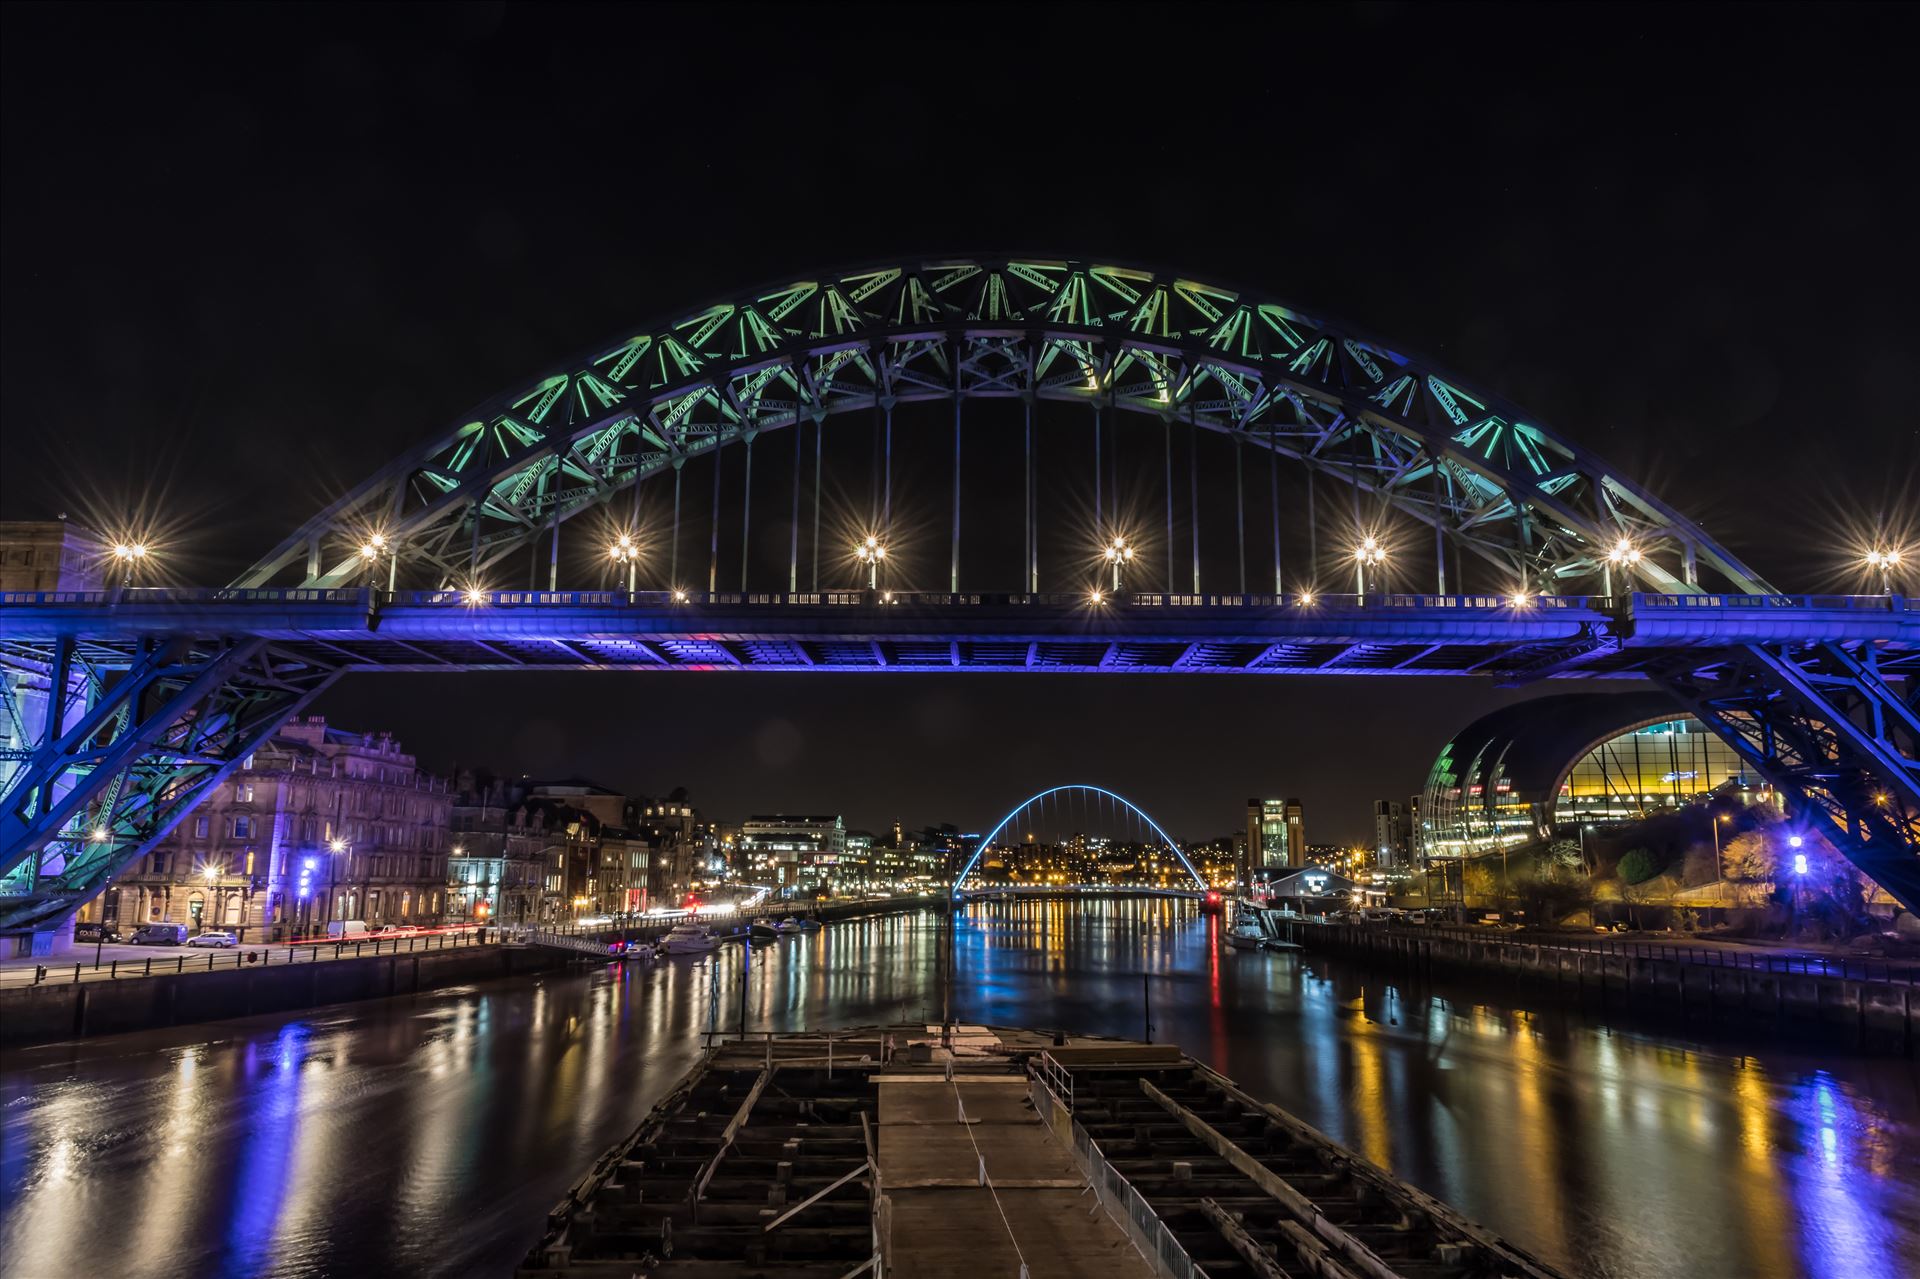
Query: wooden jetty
{"x": 903, "y": 1150}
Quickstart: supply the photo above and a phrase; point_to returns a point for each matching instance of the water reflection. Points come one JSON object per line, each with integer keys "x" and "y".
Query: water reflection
{"x": 429, "y": 1135}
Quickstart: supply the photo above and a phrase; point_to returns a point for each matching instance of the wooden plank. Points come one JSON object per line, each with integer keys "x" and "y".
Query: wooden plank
{"x": 1408, "y": 1197}
{"x": 814, "y": 1198}
{"x": 1351, "y": 1250}
{"x": 1257, "y": 1258}
{"x": 727, "y": 1134}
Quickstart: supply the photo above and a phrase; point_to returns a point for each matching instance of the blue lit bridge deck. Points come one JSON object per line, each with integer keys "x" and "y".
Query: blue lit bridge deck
{"x": 1566, "y": 636}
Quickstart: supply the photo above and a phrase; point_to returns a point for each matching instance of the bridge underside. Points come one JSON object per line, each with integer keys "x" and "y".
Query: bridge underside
{"x": 119, "y": 717}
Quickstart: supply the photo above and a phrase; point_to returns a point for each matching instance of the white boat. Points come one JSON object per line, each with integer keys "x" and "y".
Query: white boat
{"x": 763, "y": 929}
{"x": 793, "y": 925}
{"x": 688, "y": 939}
{"x": 1244, "y": 937}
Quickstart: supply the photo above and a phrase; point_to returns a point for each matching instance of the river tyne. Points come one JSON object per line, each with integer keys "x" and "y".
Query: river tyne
{"x": 429, "y": 1135}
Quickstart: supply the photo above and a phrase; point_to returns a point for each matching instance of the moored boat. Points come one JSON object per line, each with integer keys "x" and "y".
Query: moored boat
{"x": 688, "y": 939}
{"x": 1246, "y": 936}
{"x": 763, "y": 929}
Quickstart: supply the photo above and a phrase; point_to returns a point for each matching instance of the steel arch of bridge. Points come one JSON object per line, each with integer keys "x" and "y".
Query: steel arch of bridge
{"x": 117, "y": 717}
{"x": 1199, "y": 882}
{"x": 1460, "y": 460}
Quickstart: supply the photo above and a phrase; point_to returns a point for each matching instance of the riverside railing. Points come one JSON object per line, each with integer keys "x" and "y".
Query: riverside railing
{"x": 237, "y": 957}
{"x": 1149, "y": 1235}
{"x": 1847, "y": 968}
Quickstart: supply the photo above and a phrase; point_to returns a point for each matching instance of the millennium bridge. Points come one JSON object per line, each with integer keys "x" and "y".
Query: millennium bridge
{"x": 120, "y": 708}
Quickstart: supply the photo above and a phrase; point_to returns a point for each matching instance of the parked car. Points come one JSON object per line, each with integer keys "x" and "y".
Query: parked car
{"x": 347, "y": 929}
{"x": 395, "y": 930}
{"x": 159, "y": 935}
{"x": 96, "y": 932}
{"x": 215, "y": 937}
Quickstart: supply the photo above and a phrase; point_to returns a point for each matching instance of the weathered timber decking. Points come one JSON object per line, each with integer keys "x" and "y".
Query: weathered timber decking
{"x": 900, "y": 1151}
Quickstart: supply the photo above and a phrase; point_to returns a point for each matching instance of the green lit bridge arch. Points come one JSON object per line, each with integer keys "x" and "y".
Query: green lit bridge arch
{"x": 1487, "y": 478}
{"x": 122, "y": 709}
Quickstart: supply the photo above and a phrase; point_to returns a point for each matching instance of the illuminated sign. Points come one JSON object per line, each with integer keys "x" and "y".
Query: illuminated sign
{"x": 1314, "y": 883}
{"x": 1675, "y": 777}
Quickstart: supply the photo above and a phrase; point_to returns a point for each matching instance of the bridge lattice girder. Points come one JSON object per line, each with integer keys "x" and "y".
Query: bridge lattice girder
{"x": 1122, "y": 338}
{"x": 1824, "y": 725}
{"x": 145, "y": 721}
{"x": 126, "y": 743}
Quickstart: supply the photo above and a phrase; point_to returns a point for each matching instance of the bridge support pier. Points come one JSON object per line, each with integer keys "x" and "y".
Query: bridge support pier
{"x": 41, "y": 942}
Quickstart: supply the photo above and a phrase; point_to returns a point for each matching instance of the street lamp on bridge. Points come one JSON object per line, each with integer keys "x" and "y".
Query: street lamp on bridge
{"x": 371, "y": 550}
{"x": 1368, "y": 553}
{"x": 1118, "y": 554}
{"x": 1625, "y": 555}
{"x": 129, "y": 554}
{"x": 870, "y": 552}
{"x": 625, "y": 551}
{"x": 1886, "y": 560}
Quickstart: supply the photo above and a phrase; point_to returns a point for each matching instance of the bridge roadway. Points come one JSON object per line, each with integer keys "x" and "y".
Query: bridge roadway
{"x": 859, "y": 630}
{"x": 120, "y": 709}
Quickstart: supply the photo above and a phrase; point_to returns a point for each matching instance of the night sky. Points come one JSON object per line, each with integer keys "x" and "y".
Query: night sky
{"x": 251, "y": 252}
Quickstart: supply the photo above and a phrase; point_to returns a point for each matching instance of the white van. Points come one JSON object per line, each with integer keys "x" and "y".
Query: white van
{"x": 347, "y": 929}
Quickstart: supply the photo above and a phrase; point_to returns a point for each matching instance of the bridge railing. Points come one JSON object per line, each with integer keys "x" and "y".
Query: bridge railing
{"x": 190, "y": 595}
{"x": 1858, "y": 603}
{"x": 474, "y": 599}
{"x": 163, "y": 596}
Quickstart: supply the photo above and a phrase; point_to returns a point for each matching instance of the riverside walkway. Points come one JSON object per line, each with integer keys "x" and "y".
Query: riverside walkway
{"x": 119, "y": 961}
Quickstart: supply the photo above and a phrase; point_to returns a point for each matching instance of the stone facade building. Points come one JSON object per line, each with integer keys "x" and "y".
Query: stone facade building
{"x": 318, "y": 825}
{"x": 52, "y": 555}
{"x": 495, "y": 866}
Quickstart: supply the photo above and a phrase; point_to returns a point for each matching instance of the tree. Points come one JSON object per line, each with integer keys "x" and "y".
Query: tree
{"x": 1638, "y": 893}
{"x": 1479, "y": 882}
{"x": 1638, "y": 866}
{"x": 1560, "y": 855}
{"x": 1749, "y": 857}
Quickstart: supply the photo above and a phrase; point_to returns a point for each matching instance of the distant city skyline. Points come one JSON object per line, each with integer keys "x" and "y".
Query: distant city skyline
{"x": 760, "y": 743}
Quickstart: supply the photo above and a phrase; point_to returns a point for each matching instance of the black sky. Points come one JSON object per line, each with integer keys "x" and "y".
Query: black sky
{"x": 249, "y": 252}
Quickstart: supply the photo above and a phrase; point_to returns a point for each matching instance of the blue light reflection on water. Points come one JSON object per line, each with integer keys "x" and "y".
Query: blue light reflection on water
{"x": 1833, "y": 1137}
{"x": 265, "y": 1163}
{"x": 430, "y": 1134}
{"x": 1614, "y": 1152}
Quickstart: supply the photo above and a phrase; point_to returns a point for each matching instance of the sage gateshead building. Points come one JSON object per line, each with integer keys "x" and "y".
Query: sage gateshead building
{"x": 1513, "y": 775}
